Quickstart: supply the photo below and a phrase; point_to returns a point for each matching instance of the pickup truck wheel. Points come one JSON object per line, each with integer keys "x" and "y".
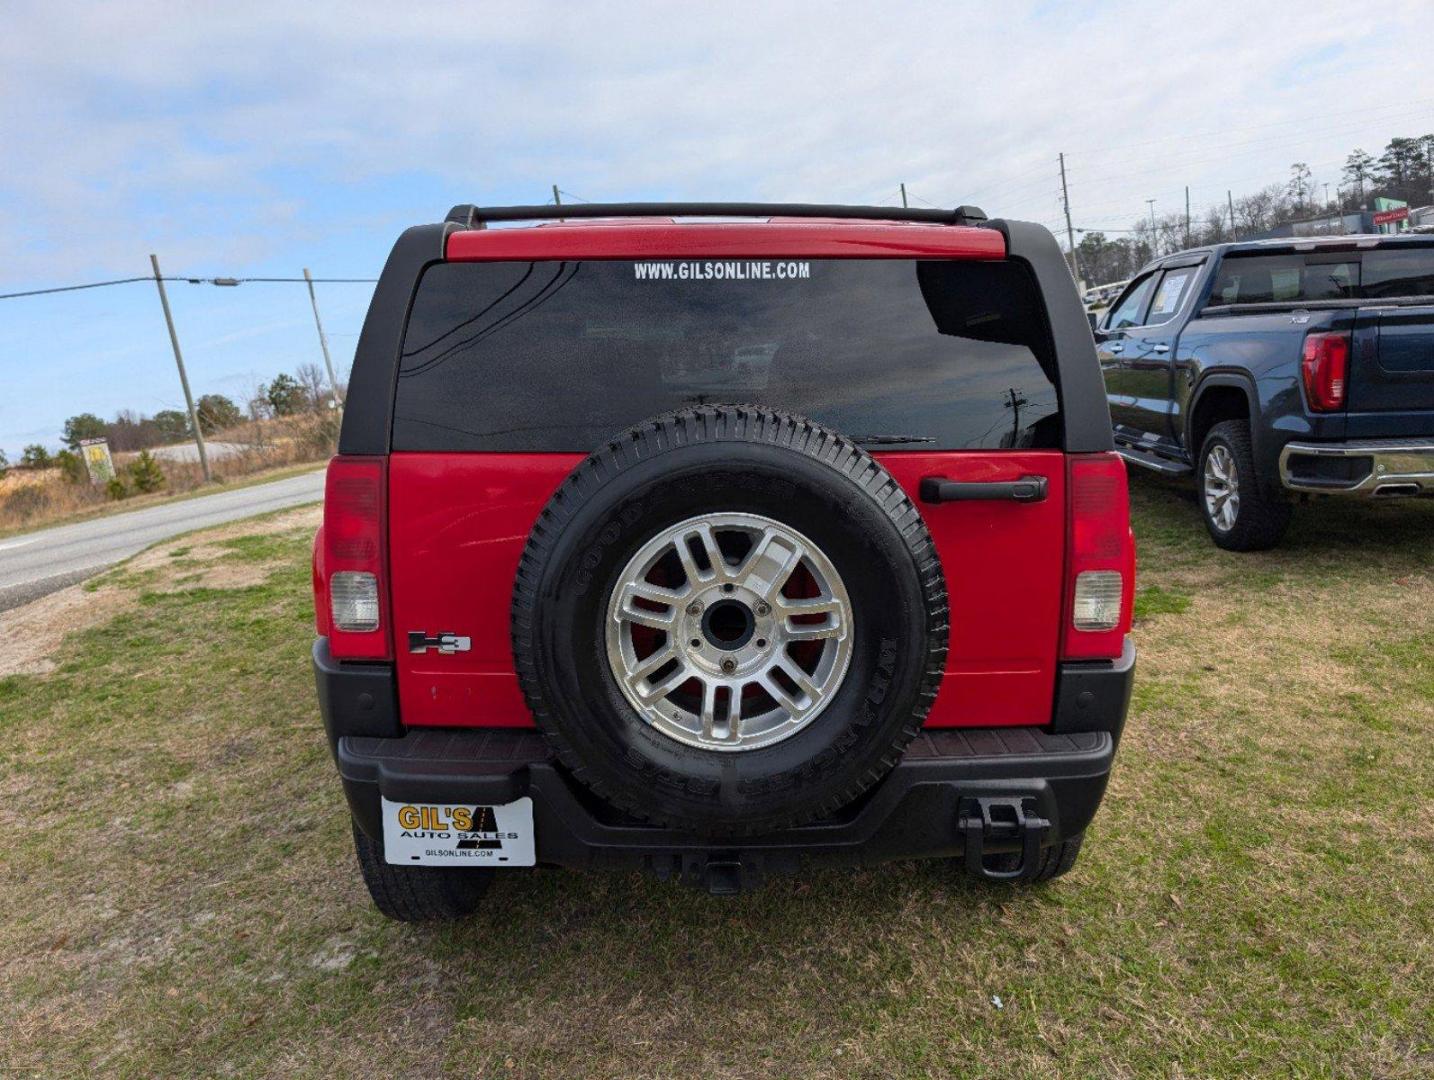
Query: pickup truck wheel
{"x": 1238, "y": 514}
{"x": 418, "y": 893}
{"x": 729, "y": 620}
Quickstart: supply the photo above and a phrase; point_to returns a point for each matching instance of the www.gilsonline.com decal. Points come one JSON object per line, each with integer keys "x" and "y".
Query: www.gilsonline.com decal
{"x": 721, "y": 271}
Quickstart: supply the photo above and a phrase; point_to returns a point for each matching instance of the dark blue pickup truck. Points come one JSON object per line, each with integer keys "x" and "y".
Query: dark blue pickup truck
{"x": 1275, "y": 370}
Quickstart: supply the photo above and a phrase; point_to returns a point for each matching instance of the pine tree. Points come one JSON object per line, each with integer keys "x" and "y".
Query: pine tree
{"x": 145, "y": 473}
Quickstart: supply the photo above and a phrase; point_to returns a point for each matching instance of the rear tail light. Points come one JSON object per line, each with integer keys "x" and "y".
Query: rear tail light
{"x": 354, "y": 558}
{"x": 1098, "y": 595}
{"x": 353, "y": 601}
{"x": 1101, "y": 566}
{"x": 1325, "y": 367}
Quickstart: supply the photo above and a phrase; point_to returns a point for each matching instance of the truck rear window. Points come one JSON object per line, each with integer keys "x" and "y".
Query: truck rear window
{"x": 1388, "y": 273}
{"x": 560, "y": 356}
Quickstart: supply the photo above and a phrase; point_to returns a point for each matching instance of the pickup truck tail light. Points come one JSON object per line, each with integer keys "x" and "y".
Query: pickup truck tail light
{"x": 351, "y": 565}
{"x": 1100, "y": 558}
{"x": 1325, "y": 367}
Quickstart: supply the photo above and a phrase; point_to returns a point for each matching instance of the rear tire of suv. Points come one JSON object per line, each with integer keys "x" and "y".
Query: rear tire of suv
{"x": 813, "y": 501}
{"x": 418, "y": 893}
{"x": 1238, "y": 514}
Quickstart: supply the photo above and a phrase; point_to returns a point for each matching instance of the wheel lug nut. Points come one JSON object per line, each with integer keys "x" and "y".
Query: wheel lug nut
{"x": 763, "y": 609}
{"x": 695, "y": 608}
{"x": 729, "y": 666}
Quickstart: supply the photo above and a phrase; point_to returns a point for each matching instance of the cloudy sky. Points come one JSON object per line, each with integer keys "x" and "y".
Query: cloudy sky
{"x": 256, "y": 139}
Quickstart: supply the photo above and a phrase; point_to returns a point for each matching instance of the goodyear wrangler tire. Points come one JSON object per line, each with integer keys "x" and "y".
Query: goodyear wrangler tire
{"x": 729, "y": 620}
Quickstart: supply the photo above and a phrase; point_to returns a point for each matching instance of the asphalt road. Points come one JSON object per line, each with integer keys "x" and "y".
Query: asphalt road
{"x": 37, "y": 563}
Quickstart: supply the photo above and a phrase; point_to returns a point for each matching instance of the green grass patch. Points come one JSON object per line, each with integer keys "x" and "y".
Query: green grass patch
{"x": 1154, "y": 600}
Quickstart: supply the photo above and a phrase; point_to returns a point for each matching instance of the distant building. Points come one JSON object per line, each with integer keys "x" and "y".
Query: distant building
{"x": 1388, "y": 216}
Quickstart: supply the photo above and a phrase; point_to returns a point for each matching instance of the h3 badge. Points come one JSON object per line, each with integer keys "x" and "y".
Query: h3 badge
{"x": 447, "y": 644}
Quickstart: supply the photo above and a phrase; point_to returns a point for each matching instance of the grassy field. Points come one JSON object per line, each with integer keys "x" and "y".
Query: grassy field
{"x": 1255, "y": 898}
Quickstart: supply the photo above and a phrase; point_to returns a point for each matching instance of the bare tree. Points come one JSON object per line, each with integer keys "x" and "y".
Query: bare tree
{"x": 1215, "y": 229}
{"x": 1261, "y": 210}
{"x": 316, "y": 386}
{"x": 259, "y": 408}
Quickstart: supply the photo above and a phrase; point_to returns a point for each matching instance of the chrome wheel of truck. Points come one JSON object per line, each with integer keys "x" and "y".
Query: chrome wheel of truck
{"x": 1222, "y": 487}
{"x": 729, "y": 631}
{"x": 1241, "y": 513}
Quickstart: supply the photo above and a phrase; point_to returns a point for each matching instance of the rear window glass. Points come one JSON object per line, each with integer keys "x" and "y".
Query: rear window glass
{"x": 560, "y": 356}
{"x": 1395, "y": 273}
{"x": 1386, "y": 274}
{"x": 1269, "y": 279}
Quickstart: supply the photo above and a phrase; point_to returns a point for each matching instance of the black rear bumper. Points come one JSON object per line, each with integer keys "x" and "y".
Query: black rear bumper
{"x": 924, "y": 808}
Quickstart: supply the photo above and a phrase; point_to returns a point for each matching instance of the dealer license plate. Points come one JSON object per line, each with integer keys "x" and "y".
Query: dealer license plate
{"x": 458, "y": 834}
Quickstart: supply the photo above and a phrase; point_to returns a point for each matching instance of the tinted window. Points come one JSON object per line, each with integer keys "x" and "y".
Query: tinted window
{"x": 559, "y": 356}
{"x": 1394, "y": 273}
{"x": 1168, "y": 296}
{"x": 1131, "y": 308}
{"x": 1285, "y": 278}
{"x": 1266, "y": 279}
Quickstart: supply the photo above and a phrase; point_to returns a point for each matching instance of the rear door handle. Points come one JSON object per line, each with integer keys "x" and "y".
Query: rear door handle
{"x": 1160, "y": 348}
{"x": 937, "y": 489}
{"x": 1117, "y": 348}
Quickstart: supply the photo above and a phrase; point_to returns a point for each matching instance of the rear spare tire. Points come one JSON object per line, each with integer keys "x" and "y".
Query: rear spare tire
{"x": 729, "y": 620}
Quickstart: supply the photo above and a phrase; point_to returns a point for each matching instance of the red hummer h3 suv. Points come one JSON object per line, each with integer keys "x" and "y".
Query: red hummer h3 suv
{"x": 715, "y": 538}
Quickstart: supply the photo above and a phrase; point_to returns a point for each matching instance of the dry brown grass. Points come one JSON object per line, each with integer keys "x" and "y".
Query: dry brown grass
{"x": 32, "y": 499}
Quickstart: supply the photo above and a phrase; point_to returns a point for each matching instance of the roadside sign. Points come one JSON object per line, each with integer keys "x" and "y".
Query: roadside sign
{"x": 98, "y": 462}
{"x": 1386, "y": 217}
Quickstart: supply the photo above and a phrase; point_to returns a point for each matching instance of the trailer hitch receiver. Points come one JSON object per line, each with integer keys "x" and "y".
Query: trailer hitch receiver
{"x": 1002, "y": 821}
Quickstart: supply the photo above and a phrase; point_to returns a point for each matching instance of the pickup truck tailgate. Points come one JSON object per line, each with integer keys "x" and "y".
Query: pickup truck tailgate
{"x": 1392, "y": 362}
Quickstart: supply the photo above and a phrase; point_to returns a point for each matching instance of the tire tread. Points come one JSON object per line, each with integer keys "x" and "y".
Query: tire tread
{"x": 417, "y": 893}
{"x": 1262, "y": 519}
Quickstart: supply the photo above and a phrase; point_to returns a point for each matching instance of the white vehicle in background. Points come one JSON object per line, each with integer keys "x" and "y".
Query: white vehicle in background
{"x": 1101, "y": 295}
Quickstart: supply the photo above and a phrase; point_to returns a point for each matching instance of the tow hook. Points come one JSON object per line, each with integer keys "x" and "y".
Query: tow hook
{"x": 1001, "y": 820}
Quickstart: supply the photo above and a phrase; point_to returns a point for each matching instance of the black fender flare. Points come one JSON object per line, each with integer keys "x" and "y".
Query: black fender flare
{"x": 1243, "y": 382}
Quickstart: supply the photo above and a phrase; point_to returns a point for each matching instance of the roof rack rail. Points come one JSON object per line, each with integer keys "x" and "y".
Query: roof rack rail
{"x": 469, "y": 216}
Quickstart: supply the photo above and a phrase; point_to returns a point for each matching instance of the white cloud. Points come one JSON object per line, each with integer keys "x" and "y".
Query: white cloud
{"x": 213, "y": 132}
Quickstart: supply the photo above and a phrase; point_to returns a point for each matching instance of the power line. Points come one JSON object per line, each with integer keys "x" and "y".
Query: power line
{"x": 1400, "y": 109}
{"x": 316, "y": 281}
{"x": 75, "y": 288}
{"x": 1175, "y": 163}
{"x": 222, "y": 281}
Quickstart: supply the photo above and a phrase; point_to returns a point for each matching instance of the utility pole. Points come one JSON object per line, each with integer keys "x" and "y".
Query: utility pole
{"x": 1014, "y": 401}
{"x": 1151, "y": 203}
{"x": 1230, "y": 202}
{"x": 183, "y": 378}
{"x": 557, "y": 199}
{"x": 1187, "y": 215}
{"x": 1070, "y": 232}
{"x": 323, "y": 341}
{"x": 903, "y": 196}
{"x": 1326, "y": 196}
